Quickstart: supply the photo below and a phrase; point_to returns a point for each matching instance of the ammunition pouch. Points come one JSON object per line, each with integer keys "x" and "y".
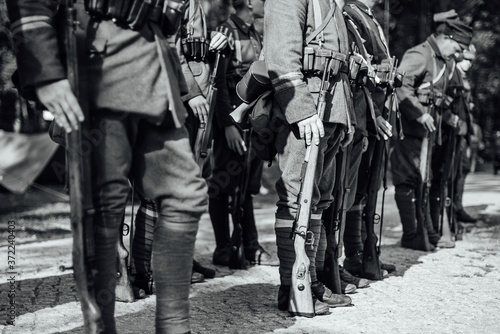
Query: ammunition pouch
{"x": 440, "y": 100}
{"x": 194, "y": 48}
{"x": 355, "y": 66}
{"x": 313, "y": 61}
{"x": 133, "y": 14}
{"x": 382, "y": 71}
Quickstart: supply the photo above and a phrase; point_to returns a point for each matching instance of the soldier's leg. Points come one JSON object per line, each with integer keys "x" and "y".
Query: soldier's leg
{"x": 142, "y": 246}
{"x": 164, "y": 169}
{"x": 405, "y": 161}
{"x": 111, "y": 159}
{"x": 219, "y": 186}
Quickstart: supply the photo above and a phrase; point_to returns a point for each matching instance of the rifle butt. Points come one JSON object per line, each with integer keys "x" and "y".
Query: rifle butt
{"x": 123, "y": 290}
{"x": 371, "y": 264}
{"x": 331, "y": 274}
{"x": 301, "y": 300}
{"x": 445, "y": 228}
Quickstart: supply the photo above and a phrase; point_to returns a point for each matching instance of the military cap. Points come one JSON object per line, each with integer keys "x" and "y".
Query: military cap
{"x": 449, "y": 15}
{"x": 459, "y": 31}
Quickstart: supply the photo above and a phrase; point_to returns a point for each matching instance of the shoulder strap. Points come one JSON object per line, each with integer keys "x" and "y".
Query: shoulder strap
{"x": 237, "y": 42}
{"x": 317, "y": 18}
{"x": 195, "y": 5}
{"x": 361, "y": 14}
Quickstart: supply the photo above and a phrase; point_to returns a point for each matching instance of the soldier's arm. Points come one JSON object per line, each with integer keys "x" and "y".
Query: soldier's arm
{"x": 284, "y": 25}
{"x": 41, "y": 71}
{"x": 413, "y": 65}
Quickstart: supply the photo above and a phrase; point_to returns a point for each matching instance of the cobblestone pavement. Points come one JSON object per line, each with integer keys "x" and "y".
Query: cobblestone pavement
{"x": 446, "y": 291}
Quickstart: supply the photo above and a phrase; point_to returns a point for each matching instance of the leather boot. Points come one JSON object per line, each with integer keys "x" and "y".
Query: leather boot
{"x": 173, "y": 249}
{"x": 219, "y": 215}
{"x": 107, "y": 228}
{"x": 352, "y": 235}
{"x": 405, "y": 201}
{"x": 433, "y": 220}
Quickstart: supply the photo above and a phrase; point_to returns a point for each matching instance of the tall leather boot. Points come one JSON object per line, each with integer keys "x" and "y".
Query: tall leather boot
{"x": 353, "y": 243}
{"x": 219, "y": 215}
{"x": 286, "y": 256}
{"x": 173, "y": 249}
{"x": 405, "y": 201}
{"x": 433, "y": 216}
{"x": 106, "y": 237}
{"x": 142, "y": 247}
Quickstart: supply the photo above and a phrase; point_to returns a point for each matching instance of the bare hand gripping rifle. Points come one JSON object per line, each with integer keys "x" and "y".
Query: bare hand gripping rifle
{"x": 301, "y": 301}
{"x": 78, "y": 167}
{"x": 204, "y": 135}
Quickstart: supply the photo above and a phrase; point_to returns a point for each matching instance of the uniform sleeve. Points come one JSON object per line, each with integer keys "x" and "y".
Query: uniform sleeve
{"x": 413, "y": 65}
{"x": 284, "y": 26}
{"x": 33, "y": 25}
{"x": 192, "y": 86}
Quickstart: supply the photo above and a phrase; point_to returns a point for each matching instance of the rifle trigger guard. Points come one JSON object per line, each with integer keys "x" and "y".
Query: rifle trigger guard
{"x": 126, "y": 230}
{"x": 309, "y": 238}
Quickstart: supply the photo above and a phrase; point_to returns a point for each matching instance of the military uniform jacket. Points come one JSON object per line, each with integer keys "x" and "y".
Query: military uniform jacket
{"x": 375, "y": 43}
{"x": 244, "y": 48}
{"x": 421, "y": 64}
{"x": 196, "y": 73}
{"x": 128, "y": 71}
{"x": 286, "y": 25}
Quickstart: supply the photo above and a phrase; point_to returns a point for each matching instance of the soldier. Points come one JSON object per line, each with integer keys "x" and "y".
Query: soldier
{"x": 446, "y": 156}
{"x": 194, "y": 46}
{"x": 295, "y": 91}
{"x": 374, "y": 41}
{"x": 134, "y": 84}
{"x": 228, "y": 146}
{"x": 465, "y": 162}
{"x": 426, "y": 75}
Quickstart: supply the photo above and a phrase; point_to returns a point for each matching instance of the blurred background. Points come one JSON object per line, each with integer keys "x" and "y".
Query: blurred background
{"x": 23, "y": 125}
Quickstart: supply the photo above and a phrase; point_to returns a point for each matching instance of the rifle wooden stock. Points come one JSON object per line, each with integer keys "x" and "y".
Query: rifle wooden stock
{"x": 301, "y": 302}
{"x": 237, "y": 259}
{"x": 123, "y": 291}
{"x": 204, "y": 135}
{"x": 371, "y": 252}
{"x": 371, "y": 264}
{"x": 78, "y": 168}
{"x": 446, "y": 202}
{"x": 422, "y": 191}
{"x": 334, "y": 222}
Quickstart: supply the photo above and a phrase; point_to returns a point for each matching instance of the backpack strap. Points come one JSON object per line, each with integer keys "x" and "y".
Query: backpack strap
{"x": 237, "y": 41}
{"x": 320, "y": 26}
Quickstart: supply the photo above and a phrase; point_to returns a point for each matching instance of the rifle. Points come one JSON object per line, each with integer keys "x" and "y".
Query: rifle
{"x": 334, "y": 223}
{"x": 204, "y": 135}
{"x": 371, "y": 251}
{"x": 301, "y": 302}
{"x": 123, "y": 290}
{"x": 448, "y": 218}
{"x": 422, "y": 190}
{"x": 237, "y": 259}
{"x": 78, "y": 168}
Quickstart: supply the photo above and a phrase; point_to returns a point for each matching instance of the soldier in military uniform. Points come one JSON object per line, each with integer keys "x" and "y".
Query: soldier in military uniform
{"x": 360, "y": 12}
{"x": 194, "y": 45}
{"x": 134, "y": 89}
{"x": 426, "y": 75}
{"x": 295, "y": 94}
{"x": 228, "y": 145}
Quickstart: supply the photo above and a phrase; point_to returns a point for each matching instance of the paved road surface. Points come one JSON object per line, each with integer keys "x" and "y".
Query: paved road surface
{"x": 446, "y": 291}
